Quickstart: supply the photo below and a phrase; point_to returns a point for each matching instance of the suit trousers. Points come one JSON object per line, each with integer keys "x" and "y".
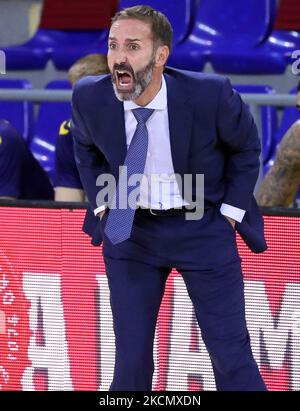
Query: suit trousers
{"x": 204, "y": 252}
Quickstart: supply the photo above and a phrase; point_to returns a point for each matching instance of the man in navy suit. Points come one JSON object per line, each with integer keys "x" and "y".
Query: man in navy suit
{"x": 191, "y": 124}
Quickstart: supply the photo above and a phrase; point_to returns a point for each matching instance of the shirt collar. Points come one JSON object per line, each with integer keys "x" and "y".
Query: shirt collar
{"x": 158, "y": 103}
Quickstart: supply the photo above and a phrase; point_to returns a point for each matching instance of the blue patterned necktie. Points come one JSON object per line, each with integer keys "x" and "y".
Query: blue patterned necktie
{"x": 119, "y": 222}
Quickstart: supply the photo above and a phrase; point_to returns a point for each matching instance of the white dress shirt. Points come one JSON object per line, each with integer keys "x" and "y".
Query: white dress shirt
{"x": 159, "y": 190}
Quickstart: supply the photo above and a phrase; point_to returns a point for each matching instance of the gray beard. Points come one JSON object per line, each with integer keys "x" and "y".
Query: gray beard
{"x": 142, "y": 80}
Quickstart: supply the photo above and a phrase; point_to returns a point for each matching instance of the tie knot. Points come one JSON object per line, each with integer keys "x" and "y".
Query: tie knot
{"x": 142, "y": 114}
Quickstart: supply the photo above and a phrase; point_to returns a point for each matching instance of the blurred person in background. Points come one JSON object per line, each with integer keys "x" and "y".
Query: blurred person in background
{"x": 67, "y": 182}
{"x": 282, "y": 182}
{"x": 21, "y": 175}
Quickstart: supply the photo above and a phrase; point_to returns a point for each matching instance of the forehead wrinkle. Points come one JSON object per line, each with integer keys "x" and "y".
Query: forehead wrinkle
{"x": 144, "y": 28}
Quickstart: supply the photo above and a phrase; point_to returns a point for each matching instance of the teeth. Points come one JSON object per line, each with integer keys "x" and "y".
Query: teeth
{"x": 122, "y": 72}
{"x": 122, "y": 83}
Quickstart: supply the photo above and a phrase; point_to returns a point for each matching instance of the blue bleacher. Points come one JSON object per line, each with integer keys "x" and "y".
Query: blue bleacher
{"x": 179, "y": 13}
{"x": 18, "y": 113}
{"x": 235, "y": 37}
{"x": 281, "y": 41}
{"x": 256, "y": 56}
{"x": 63, "y": 57}
{"x": 35, "y": 53}
{"x": 50, "y": 117}
{"x": 243, "y": 50}
{"x": 285, "y": 43}
{"x": 230, "y": 36}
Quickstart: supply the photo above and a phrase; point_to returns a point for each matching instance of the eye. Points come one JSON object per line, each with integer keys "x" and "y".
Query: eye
{"x": 133, "y": 46}
{"x": 112, "y": 46}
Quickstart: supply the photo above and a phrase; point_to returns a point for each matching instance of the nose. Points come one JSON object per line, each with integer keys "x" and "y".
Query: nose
{"x": 120, "y": 57}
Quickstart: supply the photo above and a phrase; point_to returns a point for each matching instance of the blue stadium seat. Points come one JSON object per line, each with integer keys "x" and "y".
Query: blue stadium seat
{"x": 179, "y": 13}
{"x": 64, "y": 56}
{"x": 282, "y": 42}
{"x": 243, "y": 27}
{"x": 50, "y": 117}
{"x": 18, "y": 113}
{"x": 35, "y": 53}
{"x": 229, "y": 35}
{"x": 285, "y": 43}
{"x": 268, "y": 119}
{"x": 190, "y": 53}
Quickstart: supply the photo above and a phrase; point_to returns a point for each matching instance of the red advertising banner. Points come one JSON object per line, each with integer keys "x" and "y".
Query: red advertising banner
{"x": 55, "y": 320}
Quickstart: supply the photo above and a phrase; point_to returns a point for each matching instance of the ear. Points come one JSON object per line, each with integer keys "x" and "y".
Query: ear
{"x": 161, "y": 57}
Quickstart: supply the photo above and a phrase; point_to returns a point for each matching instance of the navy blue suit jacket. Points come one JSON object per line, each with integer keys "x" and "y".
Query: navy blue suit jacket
{"x": 211, "y": 133}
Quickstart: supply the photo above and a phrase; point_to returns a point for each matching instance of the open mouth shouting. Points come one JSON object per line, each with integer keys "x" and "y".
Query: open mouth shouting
{"x": 124, "y": 80}
{"x": 129, "y": 85}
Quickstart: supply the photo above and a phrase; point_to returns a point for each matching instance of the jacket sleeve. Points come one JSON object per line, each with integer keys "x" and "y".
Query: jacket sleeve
{"x": 238, "y": 134}
{"x": 89, "y": 160}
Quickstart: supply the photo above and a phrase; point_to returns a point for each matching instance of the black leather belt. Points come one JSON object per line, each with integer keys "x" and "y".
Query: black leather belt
{"x": 163, "y": 213}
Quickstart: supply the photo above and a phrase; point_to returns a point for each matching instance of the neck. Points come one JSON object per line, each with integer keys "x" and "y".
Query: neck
{"x": 150, "y": 92}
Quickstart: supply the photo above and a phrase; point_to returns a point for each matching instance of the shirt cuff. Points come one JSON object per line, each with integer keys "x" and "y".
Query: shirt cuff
{"x": 99, "y": 209}
{"x": 233, "y": 212}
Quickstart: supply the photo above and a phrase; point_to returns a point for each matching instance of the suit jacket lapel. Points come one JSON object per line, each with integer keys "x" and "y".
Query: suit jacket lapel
{"x": 180, "y": 123}
{"x": 114, "y": 137}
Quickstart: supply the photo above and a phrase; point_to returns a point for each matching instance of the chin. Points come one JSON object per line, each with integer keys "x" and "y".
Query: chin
{"x": 128, "y": 95}
{"x": 123, "y": 96}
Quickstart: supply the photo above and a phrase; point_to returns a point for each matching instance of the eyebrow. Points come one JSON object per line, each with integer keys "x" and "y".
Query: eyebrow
{"x": 128, "y": 40}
